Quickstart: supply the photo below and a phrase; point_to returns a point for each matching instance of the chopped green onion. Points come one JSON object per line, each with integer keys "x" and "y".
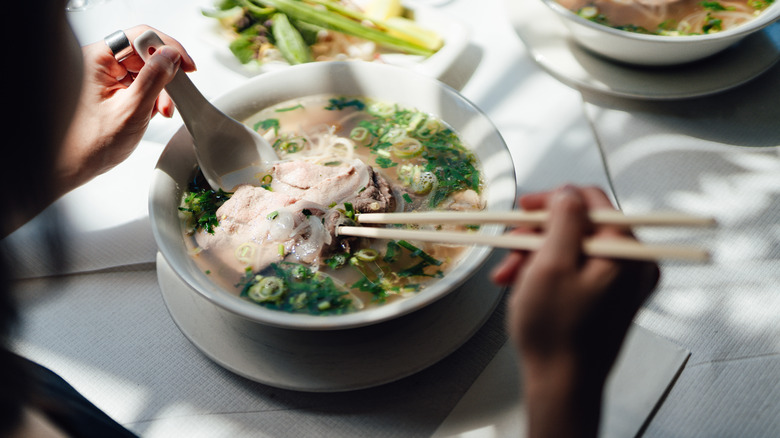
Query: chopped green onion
{"x": 267, "y": 289}
{"x": 349, "y": 210}
{"x": 367, "y": 255}
{"x": 407, "y": 148}
{"x": 292, "y": 108}
{"x": 417, "y": 252}
{"x": 342, "y": 102}
{"x": 359, "y": 134}
{"x": 267, "y": 125}
{"x": 588, "y": 12}
{"x": 245, "y": 252}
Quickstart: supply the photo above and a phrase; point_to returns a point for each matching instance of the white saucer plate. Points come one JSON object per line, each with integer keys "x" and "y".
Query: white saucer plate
{"x": 336, "y": 360}
{"x": 551, "y": 46}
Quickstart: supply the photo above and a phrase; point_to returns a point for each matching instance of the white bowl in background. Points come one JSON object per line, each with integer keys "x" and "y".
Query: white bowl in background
{"x": 656, "y": 50}
{"x": 382, "y": 82}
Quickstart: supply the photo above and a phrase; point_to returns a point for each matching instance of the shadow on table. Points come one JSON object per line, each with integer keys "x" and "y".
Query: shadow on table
{"x": 411, "y": 407}
{"x": 109, "y": 335}
{"x": 405, "y": 408}
{"x": 459, "y": 73}
{"x": 47, "y": 246}
{"x": 724, "y": 311}
{"x": 744, "y": 116}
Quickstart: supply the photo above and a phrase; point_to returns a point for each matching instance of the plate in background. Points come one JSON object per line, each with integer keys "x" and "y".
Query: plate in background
{"x": 549, "y": 43}
{"x": 456, "y": 38}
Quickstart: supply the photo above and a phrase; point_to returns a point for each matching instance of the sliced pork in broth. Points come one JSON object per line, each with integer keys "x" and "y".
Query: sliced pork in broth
{"x": 273, "y": 241}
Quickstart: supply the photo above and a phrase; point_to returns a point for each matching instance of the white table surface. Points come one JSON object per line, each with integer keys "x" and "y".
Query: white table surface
{"x": 105, "y": 328}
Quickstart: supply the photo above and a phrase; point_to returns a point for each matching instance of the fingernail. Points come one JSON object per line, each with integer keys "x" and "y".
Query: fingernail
{"x": 170, "y": 53}
{"x": 569, "y": 188}
{"x": 564, "y": 192}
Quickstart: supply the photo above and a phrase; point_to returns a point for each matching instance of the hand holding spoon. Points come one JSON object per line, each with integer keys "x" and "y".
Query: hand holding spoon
{"x": 228, "y": 152}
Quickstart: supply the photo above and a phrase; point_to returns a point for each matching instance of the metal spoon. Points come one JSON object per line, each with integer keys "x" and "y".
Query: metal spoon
{"x": 228, "y": 152}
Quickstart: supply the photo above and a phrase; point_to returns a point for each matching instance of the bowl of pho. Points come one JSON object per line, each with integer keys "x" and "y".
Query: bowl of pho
{"x": 662, "y": 32}
{"x": 352, "y": 138}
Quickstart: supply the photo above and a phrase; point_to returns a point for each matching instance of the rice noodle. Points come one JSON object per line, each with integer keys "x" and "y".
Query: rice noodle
{"x": 323, "y": 146}
{"x": 282, "y": 228}
{"x": 314, "y": 236}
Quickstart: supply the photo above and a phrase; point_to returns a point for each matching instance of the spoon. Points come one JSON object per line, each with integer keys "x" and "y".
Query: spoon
{"x": 228, "y": 152}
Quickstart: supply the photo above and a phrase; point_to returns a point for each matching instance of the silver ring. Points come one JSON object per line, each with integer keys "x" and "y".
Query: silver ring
{"x": 119, "y": 45}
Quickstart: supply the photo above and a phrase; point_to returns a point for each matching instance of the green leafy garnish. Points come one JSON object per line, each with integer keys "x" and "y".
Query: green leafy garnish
{"x": 268, "y": 124}
{"x": 417, "y": 252}
{"x": 392, "y": 252}
{"x": 246, "y": 45}
{"x": 444, "y": 155}
{"x": 418, "y": 270}
{"x": 385, "y": 162}
{"x": 200, "y": 208}
{"x": 379, "y": 279}
{"x": 716, "y": 6}
{"x": 712, "y": 24}
{"x": 292, "y": 108}
{"x": 342, "y": 102}
{"x": 373, "y": 287}
{"x": 760, "y": 4}
{"x": 349, "y": 210}
{"x": 337, "y": 261}
{"x": 296, "y": 288}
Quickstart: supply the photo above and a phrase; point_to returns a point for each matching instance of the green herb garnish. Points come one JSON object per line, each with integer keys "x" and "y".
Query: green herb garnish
{"x": 715, "y": 6}
{"x": 342, "y": 102}
{"x": 349, "y": 210}
{"x": 292, "y": 108}
{"x": 296, "y": 288}
{"x": 200, "y": 208}
{"x": 417, "y": 252}
{"x": 337, "y": 261}
{"x": 268, "y": 124}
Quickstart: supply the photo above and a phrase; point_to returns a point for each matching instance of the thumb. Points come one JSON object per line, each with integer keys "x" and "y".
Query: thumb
{"x": 156, "y": 73}
{"x": 566, "y": 227}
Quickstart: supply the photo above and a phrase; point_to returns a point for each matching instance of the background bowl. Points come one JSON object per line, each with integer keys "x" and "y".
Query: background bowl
{"x": 656, "y": 50}
{"x": 381, "y": 82}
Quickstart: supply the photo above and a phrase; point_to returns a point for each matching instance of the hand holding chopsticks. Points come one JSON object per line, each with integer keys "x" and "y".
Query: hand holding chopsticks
{"x": 613, "y": 247}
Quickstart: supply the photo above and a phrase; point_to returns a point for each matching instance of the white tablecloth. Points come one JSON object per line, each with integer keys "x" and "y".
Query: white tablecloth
{"x": 104, "y": 327}
{"x": 717, "y": 155}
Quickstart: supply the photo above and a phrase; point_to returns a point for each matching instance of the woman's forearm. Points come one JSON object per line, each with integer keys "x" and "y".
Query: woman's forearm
{"x": 560, "y": 401}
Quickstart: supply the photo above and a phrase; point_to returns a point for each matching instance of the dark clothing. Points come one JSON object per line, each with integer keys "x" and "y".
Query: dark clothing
{"x": 68, "y": 409}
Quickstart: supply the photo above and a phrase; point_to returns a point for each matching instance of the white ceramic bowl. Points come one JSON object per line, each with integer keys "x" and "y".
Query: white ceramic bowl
{"x": 656, "y": 50}
{"x": 382, "y": 82}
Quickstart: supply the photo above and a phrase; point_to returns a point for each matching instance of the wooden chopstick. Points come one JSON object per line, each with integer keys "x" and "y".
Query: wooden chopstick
{"x": 519, "y": 217}
{"x": 612, "y": 248}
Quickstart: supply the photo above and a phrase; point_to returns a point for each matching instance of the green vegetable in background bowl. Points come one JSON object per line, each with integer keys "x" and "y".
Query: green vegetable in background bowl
{"x": 300, "y": 31}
